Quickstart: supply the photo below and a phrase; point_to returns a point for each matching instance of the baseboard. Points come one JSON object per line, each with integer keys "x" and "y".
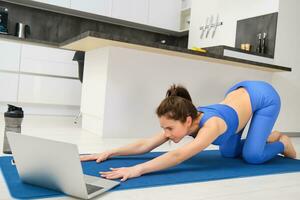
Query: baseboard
{"x": 292, "y": 134}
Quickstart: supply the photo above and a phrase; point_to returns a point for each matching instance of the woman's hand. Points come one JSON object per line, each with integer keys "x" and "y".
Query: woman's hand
{"x": 124, "y": 173}
{"x": 99, "y": 157}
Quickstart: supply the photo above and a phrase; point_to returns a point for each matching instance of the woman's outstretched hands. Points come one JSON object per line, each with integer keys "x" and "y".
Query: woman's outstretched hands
{"x": 124, "y": 173}
{"x": 99, "y": 157}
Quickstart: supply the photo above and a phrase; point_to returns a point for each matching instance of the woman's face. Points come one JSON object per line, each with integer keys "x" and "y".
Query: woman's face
{"x": 175, "y": 130}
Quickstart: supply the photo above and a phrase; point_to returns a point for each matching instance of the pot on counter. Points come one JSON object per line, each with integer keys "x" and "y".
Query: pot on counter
{"x": 22, "y": 30}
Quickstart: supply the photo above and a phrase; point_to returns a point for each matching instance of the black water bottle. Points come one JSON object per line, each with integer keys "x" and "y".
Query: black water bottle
{"x": 13, "y": 120}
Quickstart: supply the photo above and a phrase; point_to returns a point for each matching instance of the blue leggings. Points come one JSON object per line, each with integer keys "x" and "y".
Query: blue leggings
{"x": 265, "y": 103}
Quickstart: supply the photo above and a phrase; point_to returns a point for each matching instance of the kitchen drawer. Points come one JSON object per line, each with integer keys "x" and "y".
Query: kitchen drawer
{"x": 49, "y": 67}
{"x": 47, "y": 53}
{"x": 8, "y": 87}
{"x": 10, "y": 56}
{"x": 49, "y": 90}
{"x": 51, "y": 61}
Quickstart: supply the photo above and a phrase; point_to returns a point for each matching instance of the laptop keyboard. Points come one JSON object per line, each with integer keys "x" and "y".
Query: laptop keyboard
{"x": 92, "y": 188}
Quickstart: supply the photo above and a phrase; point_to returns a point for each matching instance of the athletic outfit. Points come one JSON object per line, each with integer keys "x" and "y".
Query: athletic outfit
{"x": 265, "y": 103}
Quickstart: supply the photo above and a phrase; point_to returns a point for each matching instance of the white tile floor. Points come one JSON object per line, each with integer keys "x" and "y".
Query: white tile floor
{"x": 275, "y": 187}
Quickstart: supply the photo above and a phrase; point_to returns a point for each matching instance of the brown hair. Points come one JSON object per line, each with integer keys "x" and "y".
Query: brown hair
{"x": 177, "y": 105}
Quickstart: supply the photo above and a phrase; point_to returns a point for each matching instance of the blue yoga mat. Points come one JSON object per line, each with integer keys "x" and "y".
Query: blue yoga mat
{"x": 206, "y": 166}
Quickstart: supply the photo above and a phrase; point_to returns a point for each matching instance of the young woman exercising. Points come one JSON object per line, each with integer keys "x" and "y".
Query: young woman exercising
{"x": 221, "y": 124}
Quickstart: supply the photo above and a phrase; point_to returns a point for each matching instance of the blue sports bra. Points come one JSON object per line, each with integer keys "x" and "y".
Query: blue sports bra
{"x": 225, "y": 112}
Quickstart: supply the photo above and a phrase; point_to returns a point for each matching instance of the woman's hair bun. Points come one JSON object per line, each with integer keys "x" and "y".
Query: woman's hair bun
{"x": 178, "y": 90}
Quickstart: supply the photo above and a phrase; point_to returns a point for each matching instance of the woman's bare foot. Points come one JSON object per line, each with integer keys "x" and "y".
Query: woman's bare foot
{"x": 274, "y": 136}
{"x": 289, "y": 150}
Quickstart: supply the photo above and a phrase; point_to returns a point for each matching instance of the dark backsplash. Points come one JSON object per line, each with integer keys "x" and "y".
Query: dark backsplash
{"x": 55, "y": 27}
{"x": 248, "y": 29}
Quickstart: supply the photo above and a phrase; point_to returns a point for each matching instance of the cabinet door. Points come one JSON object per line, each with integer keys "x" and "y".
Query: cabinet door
{"x": 99, "y": 7}
{"x": 10, "y": 56}
{"x": 49, "y": 90}
{"x": 61, "y": 3}
{"x": 8, "y": 87}
{"x": 50, "y": 61}
{"x": 131, "y": 10}
{"x": 165, "y": 14}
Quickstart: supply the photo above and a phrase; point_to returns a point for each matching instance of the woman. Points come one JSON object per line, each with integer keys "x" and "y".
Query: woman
{"x": 220, "y": 124}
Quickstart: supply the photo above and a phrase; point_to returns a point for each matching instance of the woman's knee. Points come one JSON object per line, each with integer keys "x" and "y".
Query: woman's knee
{"x": 232, "y": 148}
{"x": 253, "y": 157}
{"x": 228, "y": 153}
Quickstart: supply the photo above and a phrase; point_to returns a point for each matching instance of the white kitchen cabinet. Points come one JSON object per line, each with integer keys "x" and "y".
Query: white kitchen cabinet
{"x": 165, "y": 14}
{"x": 8, "y": 87}
{"x": 10, "y": 56}
{"x": 61, "y": 3}
{"x": 49, "y": 90}
{"x": 131, "y": 10}
{"x": 99, "y": 7}
{"x": 50, "y": 61}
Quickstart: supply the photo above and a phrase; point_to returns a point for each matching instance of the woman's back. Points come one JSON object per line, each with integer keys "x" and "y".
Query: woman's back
{"x": 239, "y": 100}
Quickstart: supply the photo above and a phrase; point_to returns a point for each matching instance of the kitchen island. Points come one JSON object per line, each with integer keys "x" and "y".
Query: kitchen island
{"x": 121, "y": 77}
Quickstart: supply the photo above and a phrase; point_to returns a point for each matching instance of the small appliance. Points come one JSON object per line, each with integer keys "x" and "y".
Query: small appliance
{"x": 3, "y": 20}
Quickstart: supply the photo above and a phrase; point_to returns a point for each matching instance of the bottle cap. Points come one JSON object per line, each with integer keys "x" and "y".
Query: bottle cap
{"x": 14, "y": 112}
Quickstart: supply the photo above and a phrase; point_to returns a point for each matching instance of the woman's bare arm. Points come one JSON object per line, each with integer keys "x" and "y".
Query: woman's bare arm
{"x": 206, "y": 135}
{"x": 139, "y": 147}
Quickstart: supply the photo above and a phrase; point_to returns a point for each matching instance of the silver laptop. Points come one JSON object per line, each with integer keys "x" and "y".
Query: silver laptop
{"x": 54, "y": 165}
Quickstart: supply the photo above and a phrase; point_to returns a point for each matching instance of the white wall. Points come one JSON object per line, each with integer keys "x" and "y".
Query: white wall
{"x": 137, "y": 82}
{"x": 287, "y": 54}
{"x": 230, "y": 12}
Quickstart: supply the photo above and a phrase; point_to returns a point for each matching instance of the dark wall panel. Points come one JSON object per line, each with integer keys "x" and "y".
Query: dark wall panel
{"x": 248, "y": 29}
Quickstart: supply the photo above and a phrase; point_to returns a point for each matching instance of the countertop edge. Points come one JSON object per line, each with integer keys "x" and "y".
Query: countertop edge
{"x": 174, "y": 48}
{"x": 29, "y": 41}
{"x": 239, "y": 50}
{"x": 152, "y": 45}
